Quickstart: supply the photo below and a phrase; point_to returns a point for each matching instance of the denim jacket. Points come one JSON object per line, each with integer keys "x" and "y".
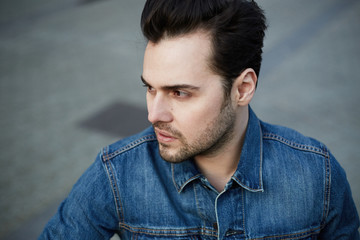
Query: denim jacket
{"x": 286, "y": 186}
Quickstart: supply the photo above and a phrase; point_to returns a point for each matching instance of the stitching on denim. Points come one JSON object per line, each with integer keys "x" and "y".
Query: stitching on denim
{"x": 292, "y": 236}
{"x": 114, "y": 187}
{"x": 147, "y": 138}
{"x": 189, "y": 180}
{"x": 329, "y": 183}
{"x": 180, "y": 188}
{"x": 294, "y": 144}
{"x": 197, "y": 202}
{"x": 133, "y": 237}
{"x": 209, "y": 232}
{"x": 327, "y": 188}
{"x": 261, "y": 160}
{"x": 173, "y": 178}
{"x": 121, "y": 213}
{"x": 243, "y": 184}
{"x": 169, "y": 232}
{"x": 243, "y": 209}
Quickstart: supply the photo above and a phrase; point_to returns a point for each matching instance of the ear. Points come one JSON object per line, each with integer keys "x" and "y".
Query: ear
{"x": 244, "y": 87}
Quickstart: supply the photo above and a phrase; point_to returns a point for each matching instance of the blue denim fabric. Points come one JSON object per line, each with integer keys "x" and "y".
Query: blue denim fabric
{"x": 287, "y": 186}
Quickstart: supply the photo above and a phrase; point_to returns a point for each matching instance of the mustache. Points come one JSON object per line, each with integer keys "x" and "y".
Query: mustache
{"x": 166, "y": 127}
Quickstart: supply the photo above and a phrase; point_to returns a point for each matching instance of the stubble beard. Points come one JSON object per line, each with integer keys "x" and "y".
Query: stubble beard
{"x": 211, "y": 140}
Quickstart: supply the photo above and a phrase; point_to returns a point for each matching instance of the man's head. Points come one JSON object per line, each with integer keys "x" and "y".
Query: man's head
{"x": 187, "y": 63}
{"x": 236, "y": 28}
{"x": 184, "y": 97}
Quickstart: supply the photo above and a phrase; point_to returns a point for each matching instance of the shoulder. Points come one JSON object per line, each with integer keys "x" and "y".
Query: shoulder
{"x": 298, "y": 160}
{"x": 292, "y": 139}
{"x": 300, "y": 154}
{"x": 137, "y": 142}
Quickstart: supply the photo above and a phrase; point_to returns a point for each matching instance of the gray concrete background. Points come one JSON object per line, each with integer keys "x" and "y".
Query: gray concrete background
{"x": 69, "y": 74}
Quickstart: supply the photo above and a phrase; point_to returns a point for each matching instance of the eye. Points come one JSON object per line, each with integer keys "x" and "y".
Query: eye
{"x": 149, "y": 88}
{"x": 181, "y": 94}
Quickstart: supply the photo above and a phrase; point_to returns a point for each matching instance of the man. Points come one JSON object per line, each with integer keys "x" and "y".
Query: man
{"x": 208, "y": 168}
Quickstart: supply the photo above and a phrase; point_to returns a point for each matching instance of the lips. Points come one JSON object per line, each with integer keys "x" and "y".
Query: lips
{"x": 164, "y": 136}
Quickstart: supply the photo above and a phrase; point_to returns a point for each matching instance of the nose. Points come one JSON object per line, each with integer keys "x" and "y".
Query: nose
{"x": 159, "y": 109}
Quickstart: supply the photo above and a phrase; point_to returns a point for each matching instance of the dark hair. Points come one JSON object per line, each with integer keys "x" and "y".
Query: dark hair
{"x": 237, "y": 28}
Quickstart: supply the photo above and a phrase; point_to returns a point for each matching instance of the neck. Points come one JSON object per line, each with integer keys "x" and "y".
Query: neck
{"x": 219, "y": 167}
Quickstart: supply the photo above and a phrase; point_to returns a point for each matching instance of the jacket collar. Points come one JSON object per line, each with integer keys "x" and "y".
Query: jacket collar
{"x": 184, "y": 173}
{"x": 249, "y": 171}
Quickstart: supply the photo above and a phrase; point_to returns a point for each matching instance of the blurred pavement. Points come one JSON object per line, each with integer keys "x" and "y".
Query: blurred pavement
{"x": 70, "y": 84}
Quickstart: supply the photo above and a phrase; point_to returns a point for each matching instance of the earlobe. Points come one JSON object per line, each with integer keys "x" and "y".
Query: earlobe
{"x": 245, "y": 86}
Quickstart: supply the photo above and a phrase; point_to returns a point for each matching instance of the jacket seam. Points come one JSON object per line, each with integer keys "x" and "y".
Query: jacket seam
{"x": 327, "y": 189}
{"x": 114, "y": 188}
{"x": 180, "y": 188}
{"x": 169, "y": 232}
{"x": 303, "y": 147}
{"x": 147, "y": 138}
{"x": 247, "y": 187}
{"x": 197, "y": 202}
{"x": 243, "y": 210}
{"x": 209, "y": 232}
{"x": 261, "y": 160}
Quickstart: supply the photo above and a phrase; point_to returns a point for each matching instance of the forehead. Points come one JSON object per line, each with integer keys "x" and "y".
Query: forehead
{"x": 182, "y": 60}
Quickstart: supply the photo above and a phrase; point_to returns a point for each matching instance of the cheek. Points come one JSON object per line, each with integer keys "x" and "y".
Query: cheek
{"x": 195, "y": 118}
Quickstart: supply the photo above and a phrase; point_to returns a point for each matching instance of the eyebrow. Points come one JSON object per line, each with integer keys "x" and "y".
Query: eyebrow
{"x": 172, "y": 87}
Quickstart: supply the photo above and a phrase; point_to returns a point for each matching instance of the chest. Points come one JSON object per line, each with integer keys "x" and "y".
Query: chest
{"x": 198, "y": 212}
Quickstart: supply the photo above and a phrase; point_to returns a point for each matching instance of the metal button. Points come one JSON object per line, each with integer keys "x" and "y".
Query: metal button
{"x": 215, "y": 226}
